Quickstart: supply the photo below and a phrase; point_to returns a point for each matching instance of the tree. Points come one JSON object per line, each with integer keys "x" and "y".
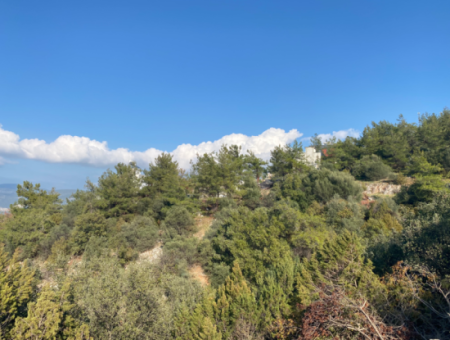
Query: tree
{"x": 49, "y": 318}
{"x": 219, "y": 172}
{"x": 340, "y": 261}
{"x": 17, "y": 286}
{"x": 118, "y": 191}
{"x": 217, "y": 316}
{"x": 32, "y": 196}
{"x": 252, "y": 238}
{"x": 34, "y": 217}
{"x": 138, "y": 302}
{"x": 391, "y": 142}
{"x": 162, "y": 184}
{"x": 419, "y": 166}
{"x": 287, "y": 159}
{"x": 87, "y": 226}
{"x": 255, "y": 164}
{"x": 422, "y": 190}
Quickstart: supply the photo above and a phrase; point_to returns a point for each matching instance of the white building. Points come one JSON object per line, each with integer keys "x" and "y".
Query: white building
{"x": 312, "y": 157}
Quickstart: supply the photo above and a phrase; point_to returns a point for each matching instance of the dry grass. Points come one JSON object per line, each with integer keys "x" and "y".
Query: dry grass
{"x": 197, "y": 273}
{"x": 202, "y": 224}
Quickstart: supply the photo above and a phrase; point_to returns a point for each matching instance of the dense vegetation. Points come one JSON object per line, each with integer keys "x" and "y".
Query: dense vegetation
{"x": 294, "y": 257}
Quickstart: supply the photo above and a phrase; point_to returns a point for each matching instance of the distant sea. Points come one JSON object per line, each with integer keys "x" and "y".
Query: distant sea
{"x": 8, "y": 195}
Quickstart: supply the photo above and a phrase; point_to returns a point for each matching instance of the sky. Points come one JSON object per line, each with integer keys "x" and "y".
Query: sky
{"x": 87, "y": 84}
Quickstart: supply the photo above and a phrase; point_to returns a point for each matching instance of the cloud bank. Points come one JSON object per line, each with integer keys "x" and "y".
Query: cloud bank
{"x": 338, "y": 134}
{"x": 83, "y": 150}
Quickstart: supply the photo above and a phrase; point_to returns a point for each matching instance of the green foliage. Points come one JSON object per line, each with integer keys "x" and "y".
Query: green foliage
{"x": 86, "y": 226}
{"x": 252, "y": 238}
{"x": 233, "y": 302}
{"x": 179, "y": 254}
{"x": 371, "y": 168}
{"x": 426, "y": 235}
{"x": 339, "y": 155}
{"x": 277, "y": 263}
{"x": 82, "y": 201}
{"x": 250, "y": 192}
{"x": 422, "y": 190}
{"x": 135, "y": 237}
{"x": 343, "y": 215}
{"x": 421, "y": 167}
{"x": 287, "y": 159}
{"x": 35, "y": 216}
{"x": 322, "y": 185}
{"x": 291, "y": 188}
{"x": 49, "y": 318}
{"x": 140, "y": 234}
{"x": 133, "y": 303}
{"x": 17, "y": 286}
{"x": 163, "y": 185}
{"x": 118, "y": 191}
{"x": 340, "y": 262}
{"x": 255, "y": 164}
{"x": 434, "y": 137}
{"x": 393, "y": 143}
{"x": 178, "y": 222}
{"x": 383, "y": 219}
{"x": 32, "y": 196}
{"x": 219, "y": 172}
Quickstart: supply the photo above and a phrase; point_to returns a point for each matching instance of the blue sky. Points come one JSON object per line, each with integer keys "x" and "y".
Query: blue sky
{"x": 157, "y": 74}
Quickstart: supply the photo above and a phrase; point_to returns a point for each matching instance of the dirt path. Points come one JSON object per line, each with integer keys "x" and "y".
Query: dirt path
{"x": 202, "y": 223}
{"x": 198, "y": 274}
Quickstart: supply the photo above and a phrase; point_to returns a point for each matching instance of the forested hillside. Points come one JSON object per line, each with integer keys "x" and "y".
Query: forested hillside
{"x": 240, "y": 248}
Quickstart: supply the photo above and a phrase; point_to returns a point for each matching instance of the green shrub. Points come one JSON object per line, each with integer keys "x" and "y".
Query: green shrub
{"x": 86, "y": 226}
{"x": 178, "y": 221}
{"x": 140, "y": 234}
{"x": 423, "y": 190}
{"x": 344, "y": 215}
{"x": 322, "y": 185}
{"x": 371, "y": 168}
{"x": 420, "y": 166}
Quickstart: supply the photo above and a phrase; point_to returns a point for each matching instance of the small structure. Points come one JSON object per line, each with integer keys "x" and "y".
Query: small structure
{"x": 312, "y": 157}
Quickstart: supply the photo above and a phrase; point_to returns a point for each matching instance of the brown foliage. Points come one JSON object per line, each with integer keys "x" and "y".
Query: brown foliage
{"x": 337, "y": 316}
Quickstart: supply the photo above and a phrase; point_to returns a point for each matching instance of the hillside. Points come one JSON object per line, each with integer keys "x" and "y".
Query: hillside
{"x": 353, "y": 246}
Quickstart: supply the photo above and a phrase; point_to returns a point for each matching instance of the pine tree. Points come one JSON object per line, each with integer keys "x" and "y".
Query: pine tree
{"x": 209, "y": 331}
{"x": 16, "y": 288}
{"x": 49, "y": 318}
{"x": 340, "y": 262}
{"x": 216, "y": 316}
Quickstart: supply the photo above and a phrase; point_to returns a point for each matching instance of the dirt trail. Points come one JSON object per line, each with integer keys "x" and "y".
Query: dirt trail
{"x": 198, "y": 274}
{"x": 151, "y": 255}
{"x": 202, "y": 223}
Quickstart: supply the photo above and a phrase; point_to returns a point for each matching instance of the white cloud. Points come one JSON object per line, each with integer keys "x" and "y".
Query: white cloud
{"x": 342, "y": 134}
{"x": 73, "y": 149}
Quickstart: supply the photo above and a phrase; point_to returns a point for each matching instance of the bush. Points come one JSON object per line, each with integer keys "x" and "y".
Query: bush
{"x": 344, "y": 215}
{"x": 423, "y": 190}
{"x": 180, "y": 253}
{"x": 291, "y": 189}
{"x": 178, "y": 222}
{"x": 251, "y": 192}
{"x": 420, "y": 166}
{"x": 141, "y": 234}
{"x": 371, "y": 168}
{"x": 322, "y": 185}
{"x": 86, "y": 226}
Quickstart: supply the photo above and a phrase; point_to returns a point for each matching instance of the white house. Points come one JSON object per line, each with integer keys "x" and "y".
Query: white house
{"x": 312, "y": 157}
